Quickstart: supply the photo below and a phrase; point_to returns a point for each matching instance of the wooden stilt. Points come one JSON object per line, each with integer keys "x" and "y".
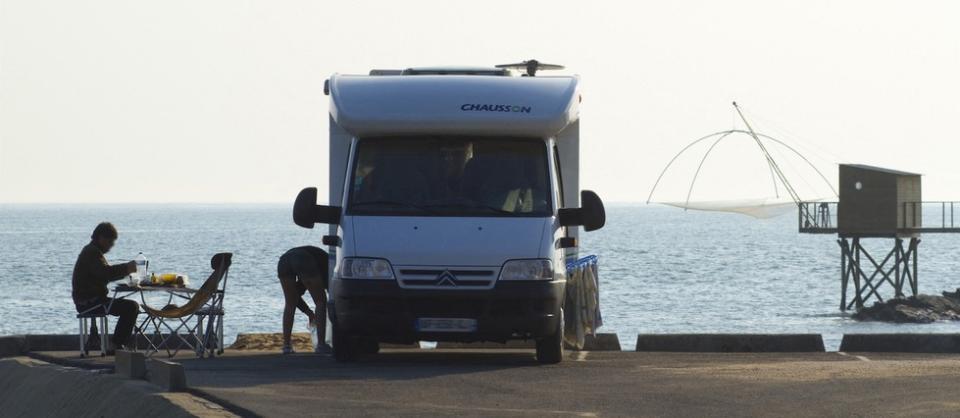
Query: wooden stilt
{"x": 843, "y": 273}
{"x": 853, "y": 256}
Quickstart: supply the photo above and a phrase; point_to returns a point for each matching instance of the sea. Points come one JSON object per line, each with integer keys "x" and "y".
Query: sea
{"x": 661, "y": 269}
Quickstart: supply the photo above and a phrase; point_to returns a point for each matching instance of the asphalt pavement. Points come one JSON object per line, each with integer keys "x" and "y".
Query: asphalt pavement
{"x": 507, "y": 383}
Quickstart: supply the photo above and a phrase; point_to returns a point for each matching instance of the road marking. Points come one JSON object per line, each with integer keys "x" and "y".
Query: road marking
{"x": 861, "y": 358}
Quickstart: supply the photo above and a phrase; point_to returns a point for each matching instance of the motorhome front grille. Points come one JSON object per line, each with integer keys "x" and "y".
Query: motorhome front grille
{"x": 452, "y": 278}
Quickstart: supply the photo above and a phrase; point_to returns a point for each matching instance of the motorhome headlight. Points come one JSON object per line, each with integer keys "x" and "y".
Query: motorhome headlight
{"x": 527, "y": 270}
{"x": 366, "y": 268}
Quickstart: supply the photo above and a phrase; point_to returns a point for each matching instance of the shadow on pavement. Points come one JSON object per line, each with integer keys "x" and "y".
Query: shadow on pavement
{"x": 240, "y": 370}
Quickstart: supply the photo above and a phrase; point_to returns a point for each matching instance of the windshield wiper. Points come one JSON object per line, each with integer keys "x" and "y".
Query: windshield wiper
{"x": 355, "y": 205}
{"x": 472, "y": 206}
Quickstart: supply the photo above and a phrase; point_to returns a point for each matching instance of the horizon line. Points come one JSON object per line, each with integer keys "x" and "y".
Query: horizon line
{"x": 213, "y": 203}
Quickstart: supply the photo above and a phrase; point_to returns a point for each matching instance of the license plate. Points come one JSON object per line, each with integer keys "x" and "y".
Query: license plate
{"x": 446, "y": 325}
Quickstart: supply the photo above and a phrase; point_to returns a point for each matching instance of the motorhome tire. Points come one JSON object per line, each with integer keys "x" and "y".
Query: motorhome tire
{"x": 345, "y": 347}
{"x": 550, "y": 348}
{"x": 369, "y": 346}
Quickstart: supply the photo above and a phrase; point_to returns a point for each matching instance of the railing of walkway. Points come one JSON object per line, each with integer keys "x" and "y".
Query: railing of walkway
{"x": 818, "y": 217}
{"x": 936, "y": 216}
{"x": 915, "y": 217}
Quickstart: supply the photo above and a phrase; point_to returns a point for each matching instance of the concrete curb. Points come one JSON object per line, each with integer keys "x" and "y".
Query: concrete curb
{"x": 130, "y": 364}
{"x": 731, "y": 343}
{"x": 168, "y": 375}
{"x": 66, "y": 342}
{"x": 901, "y": 343}
{"x": 512, "y": 344}
{"x": 600, "y": 342}
{"x": 53, "y": 342}
{"x": 13, "y": 345}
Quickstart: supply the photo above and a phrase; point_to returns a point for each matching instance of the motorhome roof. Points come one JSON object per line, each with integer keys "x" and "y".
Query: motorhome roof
{"x": 457, "y": 71}
{"x": 454, "y": 104}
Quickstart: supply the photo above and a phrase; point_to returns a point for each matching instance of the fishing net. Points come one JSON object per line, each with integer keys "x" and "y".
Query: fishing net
{"x": 772, "y": 151}
{"x": 758, "y": 208}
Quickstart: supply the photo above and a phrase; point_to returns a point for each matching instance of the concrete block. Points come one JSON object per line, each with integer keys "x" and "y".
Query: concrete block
{"x": 168, "y": 375}
{"x": 731, "y": 343}
{"x": 901, "y": 343}
{"x": 602, "y": 342}
{"x": 130, "y": 364}
{"x": 13, "y": 345}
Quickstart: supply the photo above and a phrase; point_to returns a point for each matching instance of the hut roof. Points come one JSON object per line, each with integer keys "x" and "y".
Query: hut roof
{"x": 882, "y": 170}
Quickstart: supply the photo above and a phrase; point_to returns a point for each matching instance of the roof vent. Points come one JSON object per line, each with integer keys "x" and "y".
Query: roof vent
{"x": 531, "y": 67}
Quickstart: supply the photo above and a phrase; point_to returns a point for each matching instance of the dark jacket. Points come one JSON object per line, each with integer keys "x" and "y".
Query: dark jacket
{"x": 91, "y": 274}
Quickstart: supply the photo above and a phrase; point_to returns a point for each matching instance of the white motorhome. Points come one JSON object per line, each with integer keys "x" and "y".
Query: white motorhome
{"x": 454, "y": 206}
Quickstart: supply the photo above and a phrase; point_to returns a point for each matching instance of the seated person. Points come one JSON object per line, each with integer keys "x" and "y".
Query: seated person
{"x": 91, "y": 273}
{"x": 298, "y": 269}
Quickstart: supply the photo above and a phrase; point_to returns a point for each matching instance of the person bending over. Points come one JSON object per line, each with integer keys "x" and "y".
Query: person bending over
{"x": 91, "y": 273}
{"x": 299, "y": 269}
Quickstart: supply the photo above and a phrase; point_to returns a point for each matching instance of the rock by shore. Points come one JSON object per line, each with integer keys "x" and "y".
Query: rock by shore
{"x": 921, "y": 309}
{"x": 270, "y": 341}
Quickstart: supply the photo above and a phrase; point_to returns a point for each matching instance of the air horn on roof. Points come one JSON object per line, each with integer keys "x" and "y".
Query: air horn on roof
{"x": 531, "y": 67}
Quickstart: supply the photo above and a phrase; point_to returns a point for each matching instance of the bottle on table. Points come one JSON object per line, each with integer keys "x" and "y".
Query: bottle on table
{"x": 141, "y": 268}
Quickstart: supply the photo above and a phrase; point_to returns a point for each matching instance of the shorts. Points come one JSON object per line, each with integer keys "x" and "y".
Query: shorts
{"x": 301, "y": 288}
{"x": 302, "y": 265}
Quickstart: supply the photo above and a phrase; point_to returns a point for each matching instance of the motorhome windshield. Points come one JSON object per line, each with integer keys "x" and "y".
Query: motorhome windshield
{"x": 450, "y": 176}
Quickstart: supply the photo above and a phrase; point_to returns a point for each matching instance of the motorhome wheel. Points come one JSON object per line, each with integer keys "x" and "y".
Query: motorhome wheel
{"x": 345, "y": 347}
{"x": 550, "y": 348}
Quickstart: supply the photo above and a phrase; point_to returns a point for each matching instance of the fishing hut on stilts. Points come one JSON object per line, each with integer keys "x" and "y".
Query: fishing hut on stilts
{"x": 873, "y": 203}
{"x": 881, "y": 204}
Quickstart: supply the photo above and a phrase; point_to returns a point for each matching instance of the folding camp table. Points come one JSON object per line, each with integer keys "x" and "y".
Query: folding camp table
{"x": 181, "y": 333}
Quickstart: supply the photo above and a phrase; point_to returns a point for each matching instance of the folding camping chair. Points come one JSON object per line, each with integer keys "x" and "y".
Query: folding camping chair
{"x": 206, "y": 303}
{"x": 213, "y": 313}
{"x": 93, "y": 315}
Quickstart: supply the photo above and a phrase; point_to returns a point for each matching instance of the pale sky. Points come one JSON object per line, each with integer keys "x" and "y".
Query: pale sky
{"x": 221, "y": 101}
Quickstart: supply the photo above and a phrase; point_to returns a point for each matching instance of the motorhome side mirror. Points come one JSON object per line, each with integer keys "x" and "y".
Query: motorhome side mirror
{"x": 591, "y": 213}
{"x": 307, "y": 213}
{"x": 594, "y": 214}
